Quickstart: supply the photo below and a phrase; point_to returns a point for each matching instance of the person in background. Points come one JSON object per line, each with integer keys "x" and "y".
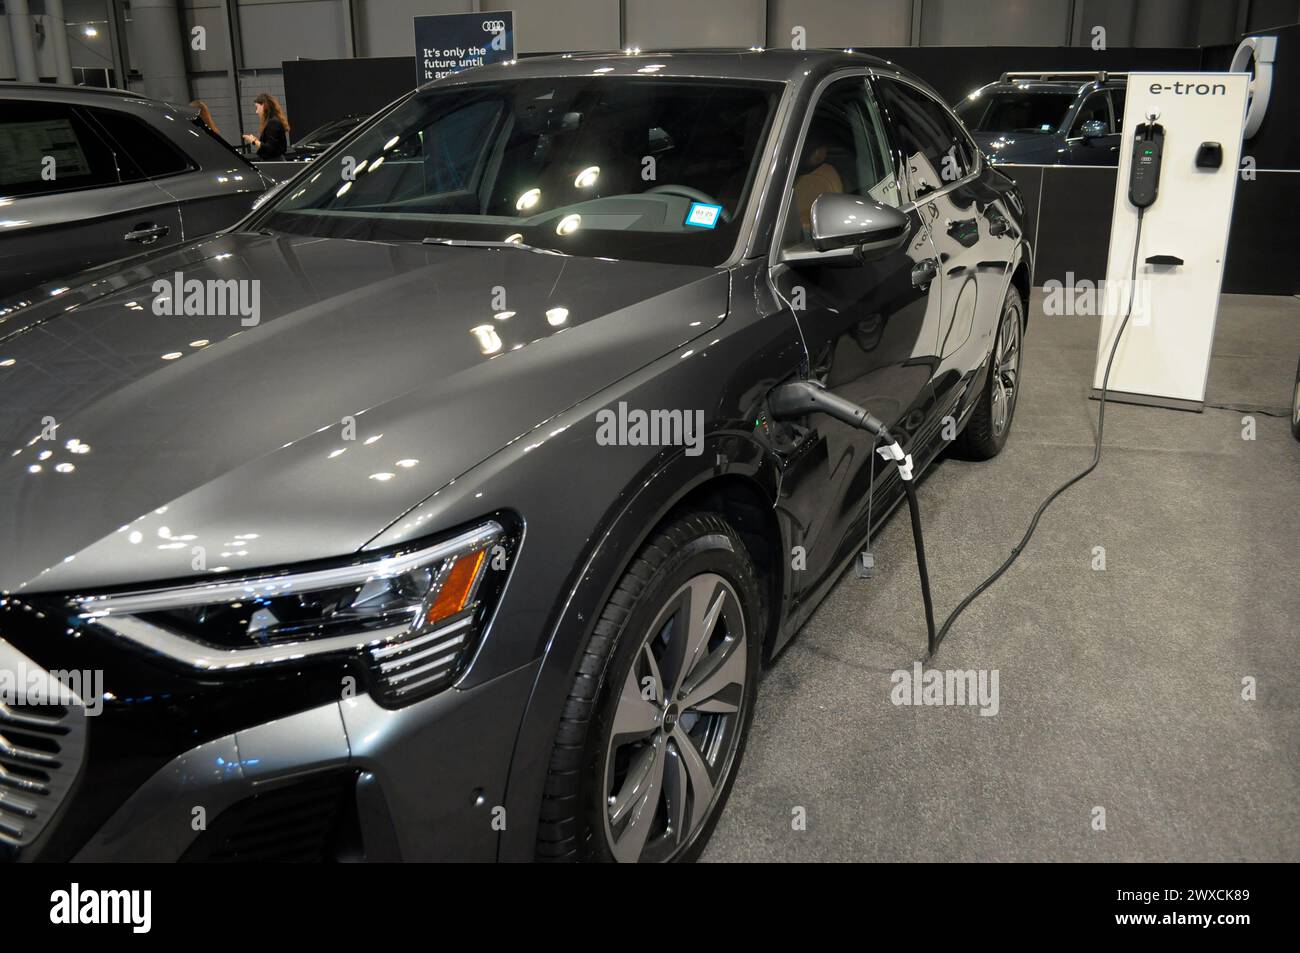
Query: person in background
{"x": 272, "y": 137}
{"x": 205, "y": 115}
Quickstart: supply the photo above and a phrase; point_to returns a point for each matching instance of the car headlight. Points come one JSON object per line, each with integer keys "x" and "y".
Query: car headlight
{"x": 416, "y": 614}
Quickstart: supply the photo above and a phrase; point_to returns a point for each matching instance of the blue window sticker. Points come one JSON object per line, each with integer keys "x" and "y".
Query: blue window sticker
{"x": 703, "y": 215}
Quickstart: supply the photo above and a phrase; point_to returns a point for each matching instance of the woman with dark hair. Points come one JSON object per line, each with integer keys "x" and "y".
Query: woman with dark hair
{"x": 272, "y": 137}
{"x": 205, "y": 116}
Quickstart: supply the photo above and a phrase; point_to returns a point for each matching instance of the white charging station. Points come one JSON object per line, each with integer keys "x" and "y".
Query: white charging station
{"x": 1163, "y": 358}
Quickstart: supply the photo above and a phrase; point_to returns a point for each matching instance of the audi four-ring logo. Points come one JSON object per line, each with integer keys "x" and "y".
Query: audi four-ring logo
{"x": 494, "y": 26}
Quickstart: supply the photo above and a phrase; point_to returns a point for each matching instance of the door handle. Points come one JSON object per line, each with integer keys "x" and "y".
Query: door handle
{"x": 146, "y": 234}
{"x": 923, "y": 272}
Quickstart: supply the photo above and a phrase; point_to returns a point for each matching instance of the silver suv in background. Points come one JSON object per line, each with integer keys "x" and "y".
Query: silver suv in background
{"x": 89, "y": 176}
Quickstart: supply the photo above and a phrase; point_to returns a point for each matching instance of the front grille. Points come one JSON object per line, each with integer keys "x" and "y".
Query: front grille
{"x": 308, "y": 821}
{"x": 422, "y": 663}
{"x": 42, "y": 746}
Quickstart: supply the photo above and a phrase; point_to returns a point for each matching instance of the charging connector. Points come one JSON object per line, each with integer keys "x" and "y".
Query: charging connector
{"x": 1144, "y": 171}
{"x": 801, "y": 398}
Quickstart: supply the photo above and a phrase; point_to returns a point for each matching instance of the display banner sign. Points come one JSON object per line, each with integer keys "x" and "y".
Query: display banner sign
{"x": 450, "y": 42}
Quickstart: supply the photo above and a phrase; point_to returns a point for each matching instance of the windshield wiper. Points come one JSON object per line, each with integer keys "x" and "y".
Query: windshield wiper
{"x": 480, "y": 243}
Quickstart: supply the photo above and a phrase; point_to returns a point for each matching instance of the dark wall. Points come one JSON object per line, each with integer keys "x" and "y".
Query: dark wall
{"x": 1069, "y": 225}
{"x": 1263, "y": 245}
{"x": 321, "y": 90}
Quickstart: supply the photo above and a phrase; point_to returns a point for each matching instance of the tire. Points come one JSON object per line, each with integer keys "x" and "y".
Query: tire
{"x": 985, "y": 433}
{"x": 591, "y": 809}
{"x": 1295, "y": 405}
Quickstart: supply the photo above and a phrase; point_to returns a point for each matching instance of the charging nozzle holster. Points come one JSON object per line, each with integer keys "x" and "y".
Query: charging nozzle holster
{"x": 1144, "y": 171}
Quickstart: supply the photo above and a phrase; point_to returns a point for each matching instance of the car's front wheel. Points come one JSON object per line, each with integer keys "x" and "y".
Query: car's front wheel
{"x": 655, "y": 722}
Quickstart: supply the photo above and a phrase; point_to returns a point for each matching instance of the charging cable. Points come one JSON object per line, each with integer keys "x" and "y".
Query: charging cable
{"x": 800, "y": 398}
{"x": 1096, "y": 457}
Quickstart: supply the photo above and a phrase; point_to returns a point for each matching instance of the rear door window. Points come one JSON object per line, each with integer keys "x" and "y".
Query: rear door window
{"x": 937, "y": 150}
{"x": 1117, "y": 101}
{"x": 1021, "y": 110}
{"x": 47, "y": 148}
{"x": 143, "y": 153}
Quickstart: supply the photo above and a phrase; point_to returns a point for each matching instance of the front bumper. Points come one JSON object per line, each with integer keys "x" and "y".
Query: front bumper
{"x": 284, "y": 764}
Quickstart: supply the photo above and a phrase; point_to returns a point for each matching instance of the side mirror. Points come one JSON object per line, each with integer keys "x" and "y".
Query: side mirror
{"x": 1093, "y": 129}
{"x": 850, "y": 230}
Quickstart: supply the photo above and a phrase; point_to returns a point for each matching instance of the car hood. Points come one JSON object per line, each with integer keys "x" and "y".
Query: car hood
{"x": 1018, "y": 146}
{"x": 141, "y": 446}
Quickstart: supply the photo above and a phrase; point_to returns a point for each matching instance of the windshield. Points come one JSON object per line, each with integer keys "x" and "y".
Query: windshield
{"x": 1016, "y": 111}
{"x": 647, "y": 168}
{"x": 330, "y": 132}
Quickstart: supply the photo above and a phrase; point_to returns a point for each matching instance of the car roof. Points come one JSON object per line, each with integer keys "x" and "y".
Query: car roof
{"x": 83, "y": 96}
{"x": 770, "y": 65}
{"x": 64, "y": 90}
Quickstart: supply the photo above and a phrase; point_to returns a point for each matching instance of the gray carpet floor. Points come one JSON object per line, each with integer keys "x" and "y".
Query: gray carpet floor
{"x": 1119, "y": 689}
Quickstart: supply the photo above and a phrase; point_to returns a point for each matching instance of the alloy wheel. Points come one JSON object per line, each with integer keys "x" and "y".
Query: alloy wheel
{"x": 677, "y": 723}
{"x": 1006, "y": 376}
{"x": 1295, "y": 405}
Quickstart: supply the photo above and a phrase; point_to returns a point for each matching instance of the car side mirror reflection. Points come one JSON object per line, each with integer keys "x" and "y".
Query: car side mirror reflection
{"x": 1093, "y": 129}
{"x": 850, "y": 230}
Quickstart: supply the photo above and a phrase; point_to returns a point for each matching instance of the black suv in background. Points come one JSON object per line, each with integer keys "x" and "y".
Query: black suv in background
{"x": 321, "y": 138}
{"x": 1048, "y": 118}
{"x": 92, "y": 175}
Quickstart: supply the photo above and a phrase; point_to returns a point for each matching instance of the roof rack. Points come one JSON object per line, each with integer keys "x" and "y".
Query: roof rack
{"x": 1048, "y": 76}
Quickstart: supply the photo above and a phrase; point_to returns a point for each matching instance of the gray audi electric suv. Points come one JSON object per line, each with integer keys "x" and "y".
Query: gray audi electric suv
{"x": 439, "y": 509}
{"x": 90, "y": 175}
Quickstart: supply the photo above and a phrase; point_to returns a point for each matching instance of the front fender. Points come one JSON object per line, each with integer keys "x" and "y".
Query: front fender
{"x": 586, "y": 507}
{"x": 727, "y": 455}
